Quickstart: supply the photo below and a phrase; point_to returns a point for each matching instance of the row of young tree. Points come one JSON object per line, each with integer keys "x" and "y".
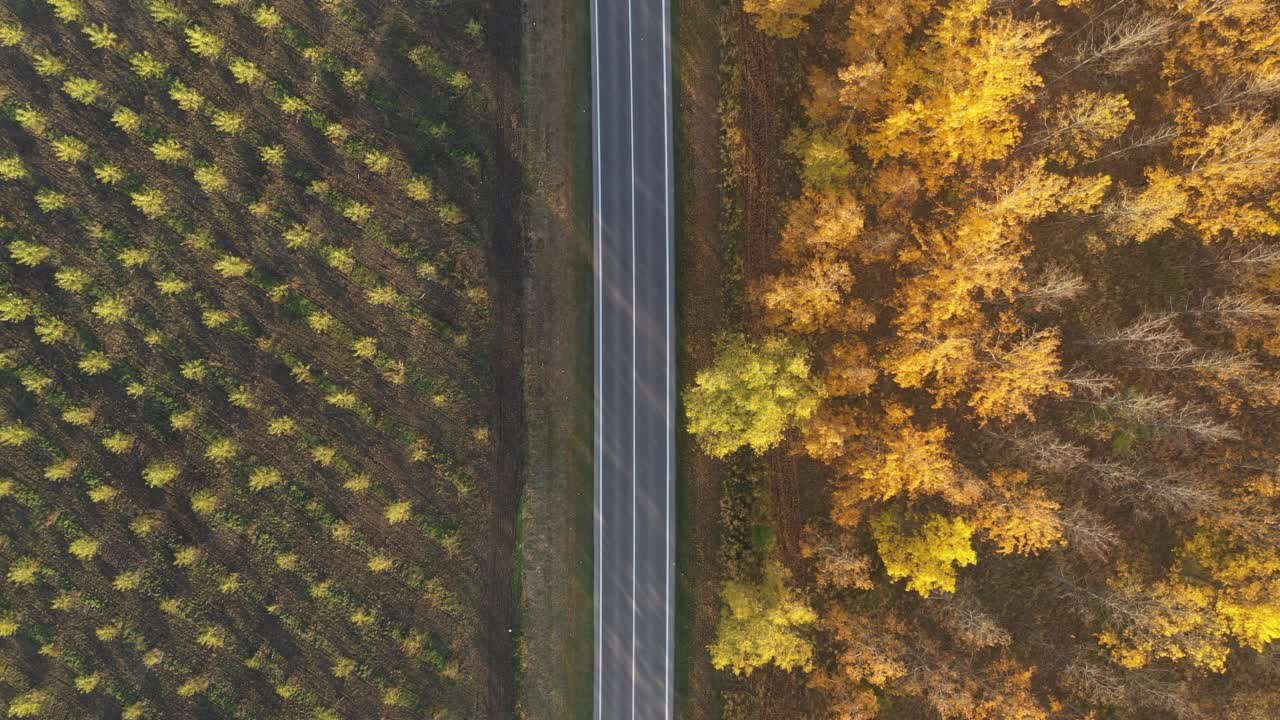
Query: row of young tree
{"x": 1023, "y": 321}
{"x": 244, "y": 362}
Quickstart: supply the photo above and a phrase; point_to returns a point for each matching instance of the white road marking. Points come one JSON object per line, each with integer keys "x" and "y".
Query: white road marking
{"x": 631, "y": 112}
{"x": 599, "y": 369}
{"x": 666, "y": 203}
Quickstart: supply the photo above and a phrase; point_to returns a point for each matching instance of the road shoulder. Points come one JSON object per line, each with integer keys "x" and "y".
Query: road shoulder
{"x": 555, "y": 526}
{"x": 699, "y": 296}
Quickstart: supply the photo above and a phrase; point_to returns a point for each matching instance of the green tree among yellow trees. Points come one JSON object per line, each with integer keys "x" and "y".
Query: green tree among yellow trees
{"x": 763, "y": 623}
{"x": 924, "y": 549}
{"x": 751, "y": 395}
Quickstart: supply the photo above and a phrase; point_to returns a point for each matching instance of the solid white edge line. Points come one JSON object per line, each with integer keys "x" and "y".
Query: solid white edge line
{"x": 631, "y": 112}
{"x": 667, "y": 691}
{"x": 599, "y": 369}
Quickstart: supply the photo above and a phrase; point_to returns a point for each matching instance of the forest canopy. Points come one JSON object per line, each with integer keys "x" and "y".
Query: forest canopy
{"x": 1033, "y": 256}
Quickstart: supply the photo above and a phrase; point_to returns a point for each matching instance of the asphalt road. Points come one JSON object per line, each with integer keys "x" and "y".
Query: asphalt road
{"x": 634, "y": 362}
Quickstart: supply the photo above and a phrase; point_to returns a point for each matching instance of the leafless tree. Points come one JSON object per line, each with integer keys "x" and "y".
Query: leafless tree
{"x": 1178, "y": 492}
{"x": 1093, "y": 599}
{"x": 962, "y": 616}
{"x": 838, "y": 561}
{"x": 1101, "y": 683}
{"x": 1117, "y": 45}
{"x": 1150, "y": 491}
{"x": 1240, "y": 308}
{"x": 1244, "y": 304}
{"x": 1160, "y": 331}
{"x": 1054, "y": 287}
{"x": 1167, "y": 413}
{"x": 1253, "y": 258}
{"x": 1153, "y": 689}
{"x": 1156, "y": 343}
{"x": 1248, "y": 89}
{"x": 1043, "y": 450}
{"x": 1088, "y": 533}
{"x": 1200, "y": 423}
{"x": 1088, "y": 383}
{"x": 1140, "y": 139}
{"x": 1095, "y": 682}
{"x": 1225, "y": 365}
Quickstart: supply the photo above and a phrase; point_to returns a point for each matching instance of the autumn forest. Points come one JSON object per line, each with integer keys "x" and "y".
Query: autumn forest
{"x": 1015, "y": 336}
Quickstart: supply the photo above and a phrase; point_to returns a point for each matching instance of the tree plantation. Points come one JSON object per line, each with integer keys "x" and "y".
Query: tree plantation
{"x": 249, "y": 457}
{"x": 1026, "y": 274}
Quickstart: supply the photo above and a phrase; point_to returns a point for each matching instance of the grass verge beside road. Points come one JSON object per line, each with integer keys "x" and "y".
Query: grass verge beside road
{"x": 555, "y": 546}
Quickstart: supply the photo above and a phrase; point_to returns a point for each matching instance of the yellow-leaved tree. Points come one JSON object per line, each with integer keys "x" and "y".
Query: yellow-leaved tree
{"x": 751, "y": 395}
{"x": 1219, "y": 593}
{"x": 781, "y": 18}
{"x": 762, "y": 623}
{"x": 899, "y": 458}
{"x": 924, "y": 549}
{"x": 965, "y": 106}
{"x": 1016, "y": 375}
{"x": 1018, "y": 518}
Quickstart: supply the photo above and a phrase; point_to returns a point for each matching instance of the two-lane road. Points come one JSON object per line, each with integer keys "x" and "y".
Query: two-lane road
{"x": 634, "y": 362}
